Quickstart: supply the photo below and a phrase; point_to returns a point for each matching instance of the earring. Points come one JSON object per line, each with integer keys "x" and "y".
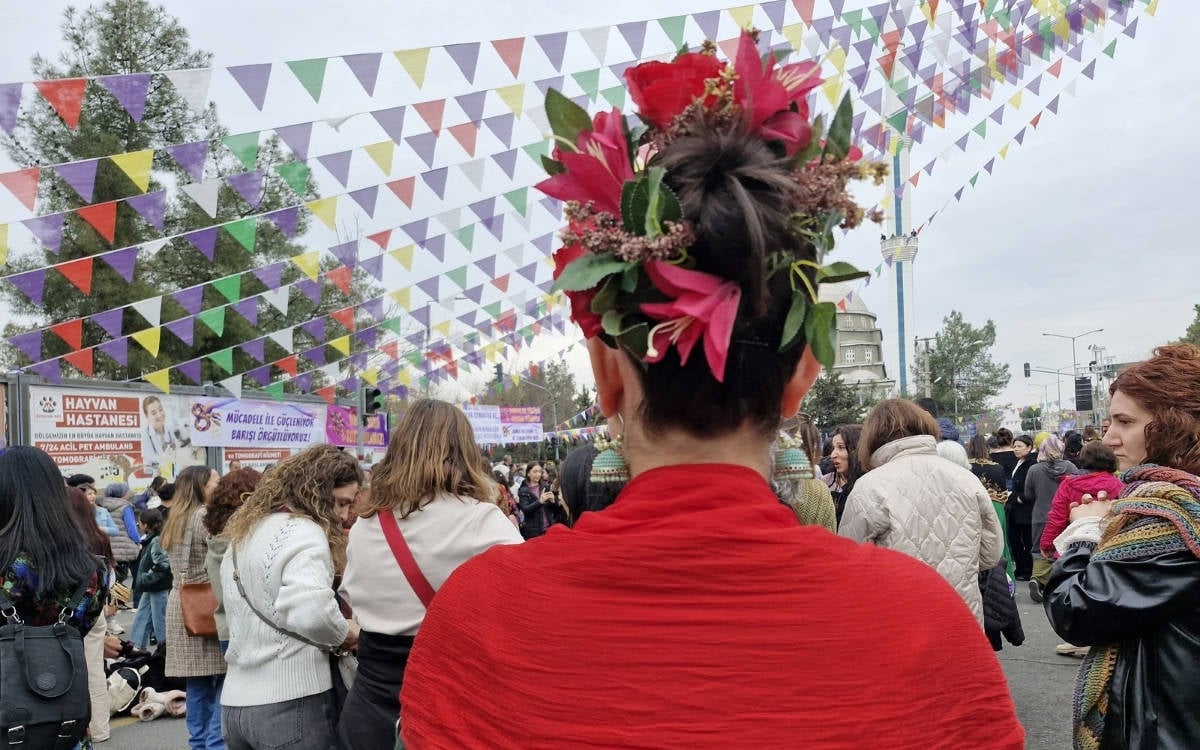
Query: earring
{"x": 609, "y": 466}
{"x": 790, "y": 461}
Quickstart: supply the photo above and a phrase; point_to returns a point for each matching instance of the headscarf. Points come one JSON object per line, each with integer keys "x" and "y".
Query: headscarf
{"x": 1039, "y": 439}
{"x": 1052, "y": 449}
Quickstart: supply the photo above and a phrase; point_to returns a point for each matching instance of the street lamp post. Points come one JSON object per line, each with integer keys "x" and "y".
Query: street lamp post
{"x": 1074, "y": 361}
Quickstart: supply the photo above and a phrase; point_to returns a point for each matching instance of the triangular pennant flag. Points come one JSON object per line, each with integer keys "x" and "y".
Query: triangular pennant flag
{"x": 589, "y": 81}
{"x": 392, "y": 122}
{"x": 277, "y": 298}
{"x": 466, "y": 57}
{"x": 204, "y": 240}
{"x": 338, "y": 165}
{"x": 473, "y": 171}
{"x": 340, "y": 278}
{"x": 465, "y": 134}
{"x": 117, "y": 350}
{"x": 204, "y": 194}
{"x": 23, "y": 184}
{"x": 510, "y": 51}
{"x": 81, "y": 176}
{"x": 223, "y": 359}
{"x": 191, "y": 370}
{"x": 79, "y": 273}
{"x": 233, "y": 385}
{"x": 381, "y": 238}
{"x": 366, "y": 198}
{"x": 184, "y": 329}
{"x": 10, "y": 102}
{"x": 554, "y": 46}
{"x": 253, "y": 79}
{"x": 160, "y": 379}
{"x": 345, "y": 252}
{"x": 436, "y": 180}
{"x": 432, "y": 112}
{"x": 382, "y": 154}
{"x": 284, "y": 338}
{"x": 297, "y": 138}
{"x": 424, "y": 144}
{"x": 190, "y": 299}
{"x": 102, "y": 217}
{"x": 514, "y": 97}
{"x": 136, "y": 166}
{"x": 129, "y": 90}
{"x": 404, "y": 256}
{"x": 230, "y": 287}
{"x": 311, "y": 74}
{"x": 190, "y": 156}
{"x": 151, "y": 206}
{"x": 150, "y": 309}
{"x": 309, "y": 263}
{"x": 244, "y": 146}
{"x": 214, "y": 318}
{"x": 249, "y": 185}
{"x": 403, "y": 189}
{"x": 71, "y": 332}
{"x": 248, "y": 309}
{"x": 65, "y": 95}
{"x": 458, "y": 276}
{"x": 402, "y": 297}
{"x": 673, "y": 27}
{"x": 342, "y": 344}
{"x": 345, "y": 316}
{"x": 415, "y": 61}
{"x": 295, "y": 174}
{"x": 149, "y": 339}
{"x": 365, "y": 68}
{"x": 110, "y": 321}
{"x": 325, "y": 209}
{"x": 192, "y": 86}
{"x": 82, "y": 360}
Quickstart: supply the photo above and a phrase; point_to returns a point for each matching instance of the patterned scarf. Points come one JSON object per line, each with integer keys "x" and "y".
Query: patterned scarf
{"x": 1159, "y": 511}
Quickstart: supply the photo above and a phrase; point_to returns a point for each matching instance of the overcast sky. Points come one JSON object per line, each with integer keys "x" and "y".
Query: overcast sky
{"x": 1081, "y": 227}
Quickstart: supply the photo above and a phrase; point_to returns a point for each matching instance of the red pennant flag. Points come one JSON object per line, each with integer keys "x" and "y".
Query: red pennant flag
{"x": 102, "y": 217}
{"x": 1036, "y": 119}
{"x": 23, "y": 184}
{"x": 82, "y": 360}
{"x": 431, "y": 113}
{"x": 510, "y": 51}
{"x": 465, "y": 135}
{"x": 534, "y": 371}
{"x": 403, "y": 189}
{"x": 340, "y": 277}
{"x": 381, "y": 238}
{"x": 326, "y": 393}
{"x": 805, "y": 9}
{"x": 501, "y": 283}
{"x": 345, "y": 316}
{"x": 66, "y": 96}
{"x": 391, "y": 349}
{"x": 79, "y": 273}
{"x": 842, "y": 305}
{"x": 1055, "y": 69}
{"x": 914, "y": 179}
{"x": 70, "y": 332}
{"x": 287, "y": 364}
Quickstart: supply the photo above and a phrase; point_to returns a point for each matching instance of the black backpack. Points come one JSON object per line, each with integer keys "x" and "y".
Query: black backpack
{"x": 44, "y": 699}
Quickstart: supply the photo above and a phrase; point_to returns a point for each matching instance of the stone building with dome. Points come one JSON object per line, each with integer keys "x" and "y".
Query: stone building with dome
{"x": 859, "y": 343}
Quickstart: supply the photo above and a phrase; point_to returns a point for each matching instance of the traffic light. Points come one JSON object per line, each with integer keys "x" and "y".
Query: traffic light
{"x": 1026, "y": 369}
{"x": 370, "y": 400}
{"x": 499, "y": 372}
{"x": 1083, "y": 394}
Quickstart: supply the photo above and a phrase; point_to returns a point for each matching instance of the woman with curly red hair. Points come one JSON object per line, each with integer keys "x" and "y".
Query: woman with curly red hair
{"x": 1128, "y": 581}
{"x": 232, "y": 490}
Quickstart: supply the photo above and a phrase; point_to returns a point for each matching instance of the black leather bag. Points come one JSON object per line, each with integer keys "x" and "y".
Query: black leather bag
{"x": 44, "y": 699}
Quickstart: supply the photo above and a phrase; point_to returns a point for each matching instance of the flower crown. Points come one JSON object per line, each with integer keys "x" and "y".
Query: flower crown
{"x": 624, "y": 264}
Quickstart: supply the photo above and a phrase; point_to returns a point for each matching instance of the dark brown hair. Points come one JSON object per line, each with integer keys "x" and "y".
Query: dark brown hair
{"x": 1004, "y": 438}
{"x": 84, "y": 513}
{"x": 977, "y": 448}
{"x": 892, "y": 419}
{"x": 231, "y": 492}
{"x": 1097, "y": 456}
{"x": 737, "y": 193}
{"x": 1168, "y": 386}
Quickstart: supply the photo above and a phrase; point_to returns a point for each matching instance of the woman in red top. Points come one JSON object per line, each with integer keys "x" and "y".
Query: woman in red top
{"x": 695, "y": 612}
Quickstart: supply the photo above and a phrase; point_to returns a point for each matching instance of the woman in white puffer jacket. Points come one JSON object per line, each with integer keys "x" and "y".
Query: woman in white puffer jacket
{"x": 916, "y": 502}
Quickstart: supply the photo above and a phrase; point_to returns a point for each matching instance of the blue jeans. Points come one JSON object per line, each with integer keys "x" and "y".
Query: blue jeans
{"x": 151, "y": 617}
{"x": 302, "y": 722}
{"x": 204, "y": 712}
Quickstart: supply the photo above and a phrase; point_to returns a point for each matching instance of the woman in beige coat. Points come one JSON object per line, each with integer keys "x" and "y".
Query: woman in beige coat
{"x": 918, "y": 503}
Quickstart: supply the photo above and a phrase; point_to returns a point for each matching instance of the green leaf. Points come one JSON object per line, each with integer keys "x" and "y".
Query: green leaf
{"x": 634, "y": 337}
{"x": 635, "y": 202}
{"x": 567, "y": 119}
{"x": 587, "y": 271}
{"x": 661, "y": 203}
{"x": 629, "y": 280}
{"x": 820, "y": 329}
{"x": 839, "y": 271}
{"x": 837, "y": 143}
{"x": 795, "y": 319}
{"x": 551, "y": 166}
{"x": 606, "y": 296}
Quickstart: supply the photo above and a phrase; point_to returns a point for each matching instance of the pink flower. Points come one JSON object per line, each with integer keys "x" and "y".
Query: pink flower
{"x": 703, "y": 306}
{"x": 767, "y": 95}
{"x": 598, "y": 170}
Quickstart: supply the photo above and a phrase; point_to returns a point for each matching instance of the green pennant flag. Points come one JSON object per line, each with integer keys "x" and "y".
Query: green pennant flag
{"x": 898, "y": 120}
{"x": 423, "y": 381}
{"x": 853, "y": 19}
{"x": 492, "y": 309}
{"x": 615, "y": 96}
{"x": 519, "y": 199}
{"x": 973, "y": 179}
{"x": 981, "y": 129}
{"x": 275, "y": 390}
{"x": 458, "y": 276}
{"x": 869, "y": 26}
{"x": 900, "y": 86}
{"x": 466, "y": 236}
{"x": 223, "y": 359}
{"x": 1111, "y": 49}
{"x": 243, "y": 230}
{"x": 215, "y": 319}
{"x": 414, "y": 357}
{"x": 537, "y": 150}
{"x": 673, "y": 28}
{"x": 391, "y": 324}
{"x": 471, "y": 338}
{"x": 230, "y": 287}
{"x": 295, "y": 174}
{"x": 1003, "y": 18}
{"x": 311, "y": 74}
{"x": 244, "y": 146}
{"x": 589, "y": 81}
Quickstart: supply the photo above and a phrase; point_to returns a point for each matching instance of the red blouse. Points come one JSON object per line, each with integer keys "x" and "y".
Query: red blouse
{"x": 695, "y": 612}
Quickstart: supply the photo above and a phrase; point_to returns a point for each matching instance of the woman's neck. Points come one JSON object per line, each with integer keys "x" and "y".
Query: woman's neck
{"x": 744, "y": 447}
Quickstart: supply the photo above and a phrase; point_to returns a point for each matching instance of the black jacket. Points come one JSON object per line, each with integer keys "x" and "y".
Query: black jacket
{"x": 539, "y": 516}
{"x": 1150, "y": 606}
{"x": 1018, "y": 509}
{"x": 1000, "y": 613}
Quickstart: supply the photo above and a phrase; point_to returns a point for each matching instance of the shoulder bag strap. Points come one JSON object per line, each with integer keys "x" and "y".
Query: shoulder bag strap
{"x": 237, "y": 578}
{"x": 408, "y": 565}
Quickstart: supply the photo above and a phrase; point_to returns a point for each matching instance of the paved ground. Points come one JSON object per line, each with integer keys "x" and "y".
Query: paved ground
{"x": 1041, "y": 683}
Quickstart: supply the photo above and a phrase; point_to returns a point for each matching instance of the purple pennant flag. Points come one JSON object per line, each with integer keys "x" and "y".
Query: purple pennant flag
{"x": 248, "y": 309}
{"x": 117, "y": 350}
{"x": 346, "y": 252}
{"x": 962, "y": 142}
{"x": 31, "y": 283}
{"x": 416, "y": 339}
{"x": 365, "y": 198}
{"x": 546, "y": 84}
{"x": 110, "y": 321}
{"x": 368, "y": 336}
{"x": 841, "y": 34}
{"x": 507, "y": 161}
{"x": 253, "y": 79}
{"x": 316, "y": 355}
{"x": 373, "y": 266}
{"x": 359, "y": 360}
{"x": 129, "y": 91}
{"x": 338, "y": 165}
{"x": 365, "y": 68}
{"x": 775, "y": 12}
{"x": 48, "y": 230}
{"x": 373, "y": 308}
{"x": 303, "y": 382}
{"x": 998, "y": 114}
{"x": 297, "y": 138}
{"x": 190, "y": 299}
{"x": 348, "y": 384}
{"x": 484, "y": 208}
{"x": 190, "y": 370}
{"x": 501, "y": 127}
{"x": 552, "y": 205}
{"x": 249, "y": 185}
{"x": 29, "y": 344}
{"x": 918, "y": 132}
{"x": 581, "y": 100}
{"x": 424, "y": 144}
{"x": 874, "y": 100}
{"x": 859, "y": 75}
{"x": 531, "y": 305}
{"x": 1076, "y": 53}
{"x": 436, "y": 180}
{"x": 421, "y": 315}
{"x": 487, "y": 265}
{"x": 987, "y": 167}
{"x": 913, "y": 57}
{"x": 1020, "y": 136}
{"x": 256, "y": 349}
{"x": 10, "y": 101}
{"x": 495, "y": 225}
{"x": 957, "y": 197}
{"x": 204, "y": 240}
{"x": 1036, "y": 84}
{"x": 472, "y": 104}
{"x": 466, "y": 57}
{"x": 1053, "y": 105}
{"x": 310, "y": 289}
{"x": 1090, "y": 70}
{"x": 417, "y": 231}
{"x": 555, "y": 46}
{"x": 81, "y": 176}
{"x": 544, "y": 242}
{"x": 270, "y": 275}
{"x": 823, "y": 27}
{"x": 152, "y": 207}
{"x": 191, "y": 156}
{"x": 429, "y": 286}
{"x": 315, "y": 328}
{"x": 122, "y": 261}
{"x": 708, "y": 21}
{"x": 529, "y": 272}
{"x": 184, "y": 329}
{"x": 858, "y": 121}
{"x": 634, "y": 34}
{"x": 1131, "y": 30}
{"x": 285, "y": 220}
{"x": 392, "y": 122}
{"x": 50, "y": 370}
{"x": 260, "y": 375}
{"x": 436, "y": 247}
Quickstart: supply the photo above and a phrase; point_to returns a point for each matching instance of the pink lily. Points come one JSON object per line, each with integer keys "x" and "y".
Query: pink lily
{"x": 703, "y": 306}
{"x": 767, "y": 95}
{"x": 598, "y": 169}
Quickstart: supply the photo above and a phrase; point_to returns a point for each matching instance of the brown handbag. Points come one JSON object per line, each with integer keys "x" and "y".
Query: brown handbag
{"x": 199, "y": 605}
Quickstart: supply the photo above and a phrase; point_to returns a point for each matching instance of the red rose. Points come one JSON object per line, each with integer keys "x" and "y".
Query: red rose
{"x": 581, "y": 302}
{"x": 662, "y": 91}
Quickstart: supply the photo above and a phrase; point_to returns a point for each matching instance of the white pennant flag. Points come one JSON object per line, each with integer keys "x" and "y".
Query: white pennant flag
{"x": 153, "y": 246}
{"x": 192, "y": 85}
{"x": 150, "y": 309}
{"x": 277, "y": 298}
{"x": 473, "y": 170}
{"x": 537, "y": 115}
{"x": 451, "y": 220}
{"x": 516, "y": 254}
{"x": 233, "y": 385}
{"x": 597, "y": 41}
{"x": 284, "y": 338}
{"x": 205, "y": 195}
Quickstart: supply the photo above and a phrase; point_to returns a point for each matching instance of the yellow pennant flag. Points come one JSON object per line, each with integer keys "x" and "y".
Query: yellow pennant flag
{"x": 794, "y": 33}
{"x": 1062, "y": 28}
{"x": 832, "y": 89}
{"x": 342, "y": 344}
{"x": 743, "y": 16}
{"x": 325, "y": 209}
{"x": 404, "y": 255}
{"x": 442, "y": 328}
{"x": 1152, "y": 8}
{"x": 371, "y": 376}
{"x": 516, "y": 379}
{"x": 1015, "y": 100}
{"x": 930, "y": 12}
{"x": 1004, "y": 151}
{"x": 514, "y": 97}
{"x": 404, "y": 378}
{"x": 3, "y": 244}
{"x": 309, "y": 263}
{"x": 136, "y": 166}
{"x": 415, "y": 61}
{"x": 149, "y": 340}
{"x": 160, "y": 379}
{"x": 402, "y": 297}
{"x": 837, "y": 56}
{"x": 381, "y": 153}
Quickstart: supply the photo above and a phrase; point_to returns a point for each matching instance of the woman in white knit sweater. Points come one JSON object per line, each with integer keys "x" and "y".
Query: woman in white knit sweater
{"x": 432, "y": 494}
{"x": 285, "y": 545}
